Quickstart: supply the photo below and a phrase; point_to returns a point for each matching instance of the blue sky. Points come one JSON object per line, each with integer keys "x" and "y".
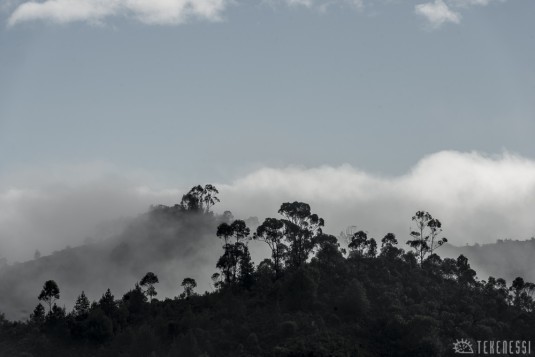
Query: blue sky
{"x": 168, "y": 93}
{"x": 268, "y": 84}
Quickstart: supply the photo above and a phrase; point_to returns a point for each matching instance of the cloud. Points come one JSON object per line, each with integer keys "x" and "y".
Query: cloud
{"x": 478, "y": 198}
{"x": 440, "y": 12}
{"x": 159, "y": 12}
{"x": 321, "y": 5}
{"x": 437, "y": 13}
{"x": 173, "y": 12}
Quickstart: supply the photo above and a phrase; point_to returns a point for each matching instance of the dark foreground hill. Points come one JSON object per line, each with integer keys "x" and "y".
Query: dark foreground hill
{"x": 310, "y": 299}
{"x": 360, "y": 306}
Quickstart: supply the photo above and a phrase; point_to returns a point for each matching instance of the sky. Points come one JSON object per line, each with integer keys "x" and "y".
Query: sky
{"x": 109, "y": 106}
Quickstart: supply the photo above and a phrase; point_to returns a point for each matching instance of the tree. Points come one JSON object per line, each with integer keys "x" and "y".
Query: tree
{"x": 388, "y": 247}
{"x": 246, "y": 274}
{"x": 38, "y": 315}
{"x": 389, "y": 240}
{"x": 301, "y": 229}
{"x": 372, "y": 248}
{"x": 200, "y": 198}
{"x": 189, "y": 284}
{"x": 425, "y": 236}
{"x": 359, "y": 243}
{"x": 209, "y": 197}
{"x": 216, "y": 280}
{"x": 235, "y": 252}
{"x": 522, "y": 294}
{"x": 271, "y": 232}
{"x": 81, "y": 307}
{"x": 49, "y": 294}
{"x": 37, "y": 254}
{"x": 465, "y": 274}
{"x": 148, "y": 282}
{"x": 192, "y": 201}
{"x": 107, "y": 303}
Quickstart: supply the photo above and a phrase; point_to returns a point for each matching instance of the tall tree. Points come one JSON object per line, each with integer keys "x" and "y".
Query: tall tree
{"x": 189, "y": 285}
{"x": 200, "y": 198}
{"x": 49, "y": 294}
{"x": 271, "y": 232}
{"x": 301, "y": 229}
{"x": 234, "y": 252}
{"x": 359, "y": 243}
{"x": 209, "y": 197}
{"x": 148, "y": 282}
{"x": 425, "y": 235}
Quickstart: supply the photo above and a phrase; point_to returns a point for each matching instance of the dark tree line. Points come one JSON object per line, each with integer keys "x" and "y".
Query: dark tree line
{"x": 309, "y": 298}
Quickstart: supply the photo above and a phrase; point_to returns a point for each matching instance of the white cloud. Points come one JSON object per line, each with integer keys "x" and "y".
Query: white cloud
{"x": 161, "y": 12}
{"x": 477, "y": 198}
{"x": 321, "y": 5}
{"x": 437, "y": 13}
{"x": 172, "y": 12}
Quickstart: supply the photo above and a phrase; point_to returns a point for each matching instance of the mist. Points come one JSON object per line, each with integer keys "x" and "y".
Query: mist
{"x": 478, "y": 198}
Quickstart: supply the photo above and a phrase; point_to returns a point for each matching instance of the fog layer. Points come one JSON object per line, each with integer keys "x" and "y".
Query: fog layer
{"x": 478, "y": 198}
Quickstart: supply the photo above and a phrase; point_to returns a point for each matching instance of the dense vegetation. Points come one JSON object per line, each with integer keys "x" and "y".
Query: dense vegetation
{"x": 310, "y": 298}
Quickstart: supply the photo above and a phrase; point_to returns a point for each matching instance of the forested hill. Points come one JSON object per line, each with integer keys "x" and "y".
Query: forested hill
{"x": 164, "y": 240}
{"x": 506, "y": 258}
{"x": 309, "y": 297}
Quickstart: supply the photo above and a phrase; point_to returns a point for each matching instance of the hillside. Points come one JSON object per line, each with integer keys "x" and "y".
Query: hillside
{"x": 309, "y": 297}
{"x": 173, "y": 245}
{"x": 505, "y": 258}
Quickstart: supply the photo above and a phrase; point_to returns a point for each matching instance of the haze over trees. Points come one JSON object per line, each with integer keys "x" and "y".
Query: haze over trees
{"x": 309, "y": 297}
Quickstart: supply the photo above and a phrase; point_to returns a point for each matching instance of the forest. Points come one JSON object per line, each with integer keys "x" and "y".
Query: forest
{"x": 315, "y": 295}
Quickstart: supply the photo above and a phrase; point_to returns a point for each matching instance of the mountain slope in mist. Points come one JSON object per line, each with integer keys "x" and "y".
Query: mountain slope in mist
{"x": 171, "y": 243}
{"x": 508, "y": 259}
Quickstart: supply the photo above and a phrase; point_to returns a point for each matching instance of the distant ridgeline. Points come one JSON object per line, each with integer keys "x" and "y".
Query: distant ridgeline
{"x": 310, "y": 298}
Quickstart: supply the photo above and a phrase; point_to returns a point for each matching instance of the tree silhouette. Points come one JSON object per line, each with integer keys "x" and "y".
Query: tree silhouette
{"x": 38, "y": 315}
{"x": 388, "y": 247}
{"x": 246, "y": 273}
{"x": 389, "y": 240}
{"x": 301, "y": 230}
{"x": 107, "y": 303}
{"x": 49, "y": 294}
{"x": 209, "y": 197}
{"x": 425, "y": 235}
{"x": 148, "y": 282}
{"x": 200, "y": 198}
{"x": 81, "y": 307}
{"x": 192, "y": 201}
{"x": 271, "y": 231}
{"x": 234, "y": 253}
{"x": 359, "y": 243}
{"x": 189, "y": 284}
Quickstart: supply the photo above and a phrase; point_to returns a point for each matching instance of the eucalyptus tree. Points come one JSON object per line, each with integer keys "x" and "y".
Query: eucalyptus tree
{"x": 49, "y": 294}
{"x": 148, "y": 282}
{"x": 302, "y": 228}
{"x": 272, "y": 232}
{"x": 235, "y": 252}
{"x": 425, "y": 235}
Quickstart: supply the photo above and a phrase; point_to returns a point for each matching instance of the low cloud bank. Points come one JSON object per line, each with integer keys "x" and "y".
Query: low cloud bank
{"x": 478, "y": 198}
